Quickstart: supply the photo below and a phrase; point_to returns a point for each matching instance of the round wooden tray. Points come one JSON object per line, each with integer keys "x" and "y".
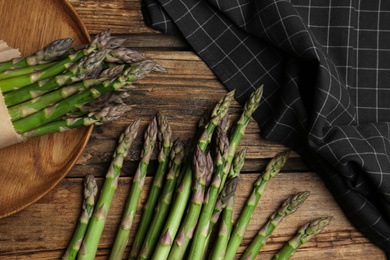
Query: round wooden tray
{"x": 29, "y": 170}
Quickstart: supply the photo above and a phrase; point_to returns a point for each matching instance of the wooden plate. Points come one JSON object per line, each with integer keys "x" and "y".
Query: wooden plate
{"x": 29, "y": 170}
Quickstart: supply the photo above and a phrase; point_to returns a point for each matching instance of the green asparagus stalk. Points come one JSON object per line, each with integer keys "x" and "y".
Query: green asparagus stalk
{"x": 165, "y": 141}
{"x": 10, "y": 84}
{"x": 61, "y": 108}
{"x": 45, "y": 55}
{"x": 201, "y": 231}
{"x": 223, "y": 203}
{"x": 202, "y": 168}
{"x": 219, "y": 249}
{"x": 224, "y": 125}
{"x": 303, "y": 235}
{"x": 288, "y": 207}
{"x": 31, "y": 106}
{"x": 107, "y": 114}
{"x": 90, "y": 192}
{"x": 239, "y": 130}
{"x": 124, "y": 55}
{"x": 198, "y": 246}
{"x": 16, "y": 71}
{"x": 223, "y": 199}
{"x": 184, "y": 190}
{"x": 90, "y": 243}
{"x": 135, "y": 192}
{"x": 227, "y": 214}
{"x": 162, "y": 210}
{"x": 80, "y": 70}
{"x": 192, "y": 143}
{"x": 242, "y": 223}
{"x": 114, "y": 98}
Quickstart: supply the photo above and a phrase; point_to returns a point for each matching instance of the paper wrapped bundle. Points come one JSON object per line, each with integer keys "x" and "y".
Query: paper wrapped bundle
{"x": 8, "y": 135}
{"x": 61, "y": 87}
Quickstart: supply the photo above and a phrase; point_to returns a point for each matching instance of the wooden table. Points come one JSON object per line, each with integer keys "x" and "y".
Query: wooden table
{"x": 43, "y": 230}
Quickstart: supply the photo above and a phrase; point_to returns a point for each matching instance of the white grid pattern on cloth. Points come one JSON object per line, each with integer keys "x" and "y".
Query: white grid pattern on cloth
{"x": 337, "y": 117}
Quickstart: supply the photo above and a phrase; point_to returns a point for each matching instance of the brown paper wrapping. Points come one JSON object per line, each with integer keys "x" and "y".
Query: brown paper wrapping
{"x": 8, "y": 135}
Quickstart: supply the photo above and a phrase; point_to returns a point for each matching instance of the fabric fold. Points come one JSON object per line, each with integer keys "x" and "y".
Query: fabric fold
{"x": 325, "y": 68}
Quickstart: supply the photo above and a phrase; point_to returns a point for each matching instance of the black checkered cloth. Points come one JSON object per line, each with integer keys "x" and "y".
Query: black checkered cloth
{"x": 325, "y": 67}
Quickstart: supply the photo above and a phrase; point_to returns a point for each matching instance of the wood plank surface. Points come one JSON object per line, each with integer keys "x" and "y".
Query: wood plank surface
{"x": 43, "y": 230}
{"x": 51, "y": 221}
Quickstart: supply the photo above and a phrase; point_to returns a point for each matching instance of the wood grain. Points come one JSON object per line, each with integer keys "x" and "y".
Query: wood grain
{"x": 51, "y": 221}
{"x": 29, "y": 170}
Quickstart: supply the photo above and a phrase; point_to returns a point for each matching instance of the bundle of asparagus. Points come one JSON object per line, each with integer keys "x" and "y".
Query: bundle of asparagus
{"x": 61, "y": 87}
{"x": 191, "y": 191}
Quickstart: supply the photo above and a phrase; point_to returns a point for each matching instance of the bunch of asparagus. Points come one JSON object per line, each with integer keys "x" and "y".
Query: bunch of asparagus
{"x": 61, "y": 87}
{"x": 193, "y": 191}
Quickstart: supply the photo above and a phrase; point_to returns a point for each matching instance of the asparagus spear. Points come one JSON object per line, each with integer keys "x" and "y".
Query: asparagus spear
{"x": 114, "y": 42}
{"x": 288, "y": 207}
{"x": 201, "y": 231}
{"x": 241, "y": 225}
{"x": 227, "y": 217}
{"x": 162, "y": 210}
{"x": 107, "y": 114}
{"x": 124, "y": 55}
{"x": 31, "y": 106}
{"x": 202, "y": 168}
{"x": 135, "y": 192}
{"x": 165, "y": 141}
{"x": 78, "y": 71}
{"x": 61, "y": 108}
{"x": 303, "y": 235}
{"x": 223, "y": 199}
{"x": 17, "y": 71}
{"x": 201, "y": 237}
{"x": 184, "y": 190}
{"x": 238, "y": 132}
{"x": 45, "y": 55}
{"x": 192, "y": 143}
{"x": 90, "y": 191}
{"x": 10, "y": 84}
{"x": 95, "y": 228}
{"x": 110, "y": 99}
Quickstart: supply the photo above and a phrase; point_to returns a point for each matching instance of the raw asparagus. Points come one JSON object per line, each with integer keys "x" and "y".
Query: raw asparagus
{"x": 31, "y": 106}
{"x": 135, "y": 192}
{"x": 95, "y": 118}
{"x": 47, "y": 54}
{"x": 223, "y": 199}
{"x": 95, "y": 228}
{"x": 165, "y": 143}
{"x": 10, "y": 84}
{"x": 242, "y": 223}
{"x": 218, "y": 251}
{"x": 201, "y": 231}
{"x": 239, "y": 129}
{"x": 226, "y": 203}
{"x": 13, "y": 72}
{"x": 303, "y": 235}
{"x": 184, "y": 190}
{"x": 288, "y": 207}
{"x": 162, "y": 210}
{"x": 124, "y": 55}
{"x": 201, "y": 169}
{"x": 61, "y": 108}
{"x": 90, "y": 192}
{"x": 78, "y": 71}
